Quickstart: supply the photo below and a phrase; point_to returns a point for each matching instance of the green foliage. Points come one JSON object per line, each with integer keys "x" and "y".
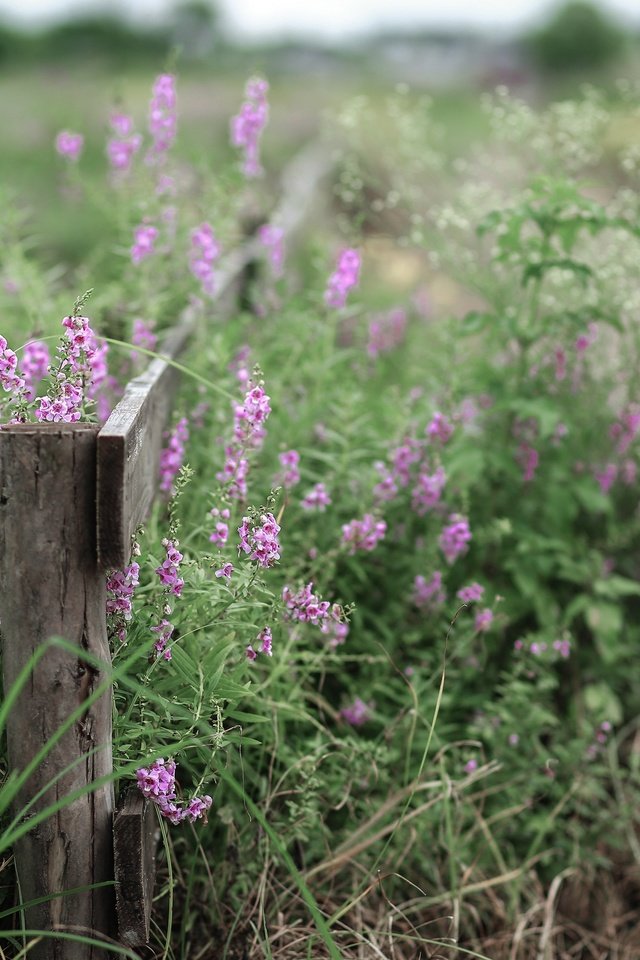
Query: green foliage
{"x": 579, "y": 36}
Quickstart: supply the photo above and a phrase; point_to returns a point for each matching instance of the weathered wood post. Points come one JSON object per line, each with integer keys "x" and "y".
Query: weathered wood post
{"x": 50, "y": 585}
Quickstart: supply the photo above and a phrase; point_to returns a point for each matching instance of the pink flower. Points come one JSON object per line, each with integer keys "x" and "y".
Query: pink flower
{"x": 528, "y": 458}
{"x": 225, "y": 571}
{"x": 69, "y": 145}
{"x": 386, "y": 331}
{"x": 291, "y": 476}
{"x": 172, "y": 456}
{"x": 205, "y": 250}
{"x": 455, "y": 537}
{"x": 144, "y": 238}
{"x": 363, "y": 534}
{"x": 428, "y": 593}
{"x": 316, "y": 499}
{"x": 247, "y": 126}
{"x": 471, "y": 593}
{"x": 484, "y": 619}
{"x": 34, "y": 365}
{"x": 606, "y": 478}
{"x": 272, "y": 238}
{"x": 260, "y": 540}
{"x": 428, "y": 490}
{"x": 305, "y": 606}
{"x": 343, "y": 279}
{"x": 167, "y": 572}
{"x": 162, "y": 116}
{"x": 440, "y": 428}
{"x": 357, "y": 713}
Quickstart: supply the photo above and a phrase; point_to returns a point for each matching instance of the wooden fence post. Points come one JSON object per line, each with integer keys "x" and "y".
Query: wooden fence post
{"x": 50, "y": 585}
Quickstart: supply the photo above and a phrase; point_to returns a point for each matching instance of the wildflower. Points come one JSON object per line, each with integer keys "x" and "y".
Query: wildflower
{"x": 225, "y": 571}
{"x": 471, "y": 765}
{"x": 343, "y": 279}
{"x": 69, "y": 145}
{"x": 168, "y": 569}
{"x": 428, "y": 490}
{"x": 144, "y": 238}
{"x": 164, "y": 629}
{"x": 205, "y": 250}
{"x": 305, "y": 606}
{"x": 172, "y": 456}
{"x": 121, "y": 585}
{"x": 471, "y": 593}
{"x": 428, "y": 593}
{"x": 250, "y": 653}
{"x": 221, "y": 533}
{"x": 143, "y": 336}
{"x": 334, "y": 627}
{"x": 162, "y": 116}
{"x": 81, "y": 368}
{"x": 272, "y": 238}
{"x": 33, "y": 366}
{"x": 316, "y": 499}
{"x": 403, "y": 458}
{"x": 440, "y": 428}
{"x": 250, "y": 416}
{"x": 158, "y": 784}
{"x": 606, "y": 478}
{"x": 9, "y": 379}
{"x": 363, "y": 534}
{"x": 291, "y": 476}
{"x": 484, "y": 619}
{"x": 387, "y": 488}
{"x": 386, "y": 331}
{"x": 260, "y": 541}
{"x": 357, "y": 713}
{"x": 247, "y": 126}
{"x": 563, "y": 647}
{"x": 455, "y": 537}
{"x": 122, "y": 147}
{"x": 528, "y": 458}
{"x": 266, "y": 640}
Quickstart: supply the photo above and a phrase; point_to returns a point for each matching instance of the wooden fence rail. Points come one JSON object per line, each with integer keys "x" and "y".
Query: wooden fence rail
{"x": 71, "y": 496}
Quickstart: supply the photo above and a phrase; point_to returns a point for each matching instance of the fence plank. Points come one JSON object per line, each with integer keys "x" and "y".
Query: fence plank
{"x": 50, "y": 585}
{"x": 135, "y": 838}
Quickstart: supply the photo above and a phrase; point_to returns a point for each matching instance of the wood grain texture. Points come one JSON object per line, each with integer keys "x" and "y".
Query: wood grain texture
{"x": 50, "y": 585}
{"x": 135, "y": 840}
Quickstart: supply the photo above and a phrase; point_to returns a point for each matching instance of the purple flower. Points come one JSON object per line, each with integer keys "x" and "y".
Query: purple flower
{"x": 221, "y": 533}
{"x": 291, "y": 475}
{"x": 205, "y": 250}
{"x": 162, "y": 116}
{"x": 33, "y": 366}
{"x": 305, "y": 606}
{"x": 69, "y": 144}
{"x": 455, "y": 537}
{"x": 363, "y": 534}
{"x": 356, "y": 713}
{"x": 225, "y": 571}
{"x": 9, "y": 379}
{"x": 172, "y": 456}
{"x": 471, "y": 765}
{"x": 316, "y": 499}
{"x": 471, "y": 593}
{"x": 260, "y": 541}
{"x": 248, "y": 124}
{"x": 122, "y": 148}
{"x": 343, "y": 279}
{"x": 158, "y": 784}
{"x": 164, "y": 629}
{"x": 428, "y": 593}
{"x": 386, "y": 331}
{"x": 606, "y": 478}
{"x": 168, "y": 569}
{"x": 440, "y": 428}
{"x": 272, "y": 238}
{"x": 144, "y": 238}
{"x": 121, "y": 585}
{"x": 528, "y": 458}
{"x": 250, "y": 653}
{"x": 428, "y": 490}
{"x": 484, "y": 619}
{"x": 81, "y": 366}
{"x": 266, "y": 640}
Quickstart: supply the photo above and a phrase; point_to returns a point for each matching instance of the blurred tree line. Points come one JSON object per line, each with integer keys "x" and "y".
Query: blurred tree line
{"x": 578, "y": 36}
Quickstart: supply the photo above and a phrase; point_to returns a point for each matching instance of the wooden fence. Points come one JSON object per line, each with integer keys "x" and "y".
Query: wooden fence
{"x": 71, "y": 496}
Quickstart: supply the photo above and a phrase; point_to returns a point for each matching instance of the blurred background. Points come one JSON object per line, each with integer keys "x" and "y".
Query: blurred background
{"x": 65, "y": 64}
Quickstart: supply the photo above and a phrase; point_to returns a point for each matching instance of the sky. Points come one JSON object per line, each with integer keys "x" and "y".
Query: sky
{"x": 330, "y": 19}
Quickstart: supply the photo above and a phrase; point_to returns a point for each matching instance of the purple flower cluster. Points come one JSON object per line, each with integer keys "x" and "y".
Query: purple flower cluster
{"x": 539, "y": 647}
{"x": 205, "y": 250}
{"x": 440, "y": 428}
{"x": 291, "y": 475}
{"x": 144, "y": 238}
{"x": 158, "y": 784}
{"x": 260, "y": 541}
{"x": 455, "y": 537}
{"x": 248, "y": 432}
{"x": 123, "y": 146}
{"x": 143, "y": 335}
{"x": 69, "y": 145}
{"x": 305, "y": 606}
{"x": 121, "y": 585}
{"x": 221, "y": 533}
{"x": 247, "y": 126}
{"x": 162, "y": 116}
{"x": 272, "y": 239}
{"x": 528, "y": 459}
{"x": 265, "y": 640}
{"x": 172, "y": 456}
{"x": 11, "y": 382}
{"x": 428, "y": 490}
{"x": 168, "y": 569}
{"x": 226, "y": 571}
{"x": 471, "y": 593}
{"x": 164, "y": 629}
{"x": 316, "y": 499}
{"x": 344, "y": 278}
{"x": 335, "y": 628}
{"x": 33, "y": 366}
{"x": 386, "y": 332}
{"x": 356, "y": 713}
{"x": 428, "y": 593}
{"x": 601, "y": 737}
{"x": 483, "y": 621}
{"x": 363, "y": 534}
{"x": 81, "y": 367}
